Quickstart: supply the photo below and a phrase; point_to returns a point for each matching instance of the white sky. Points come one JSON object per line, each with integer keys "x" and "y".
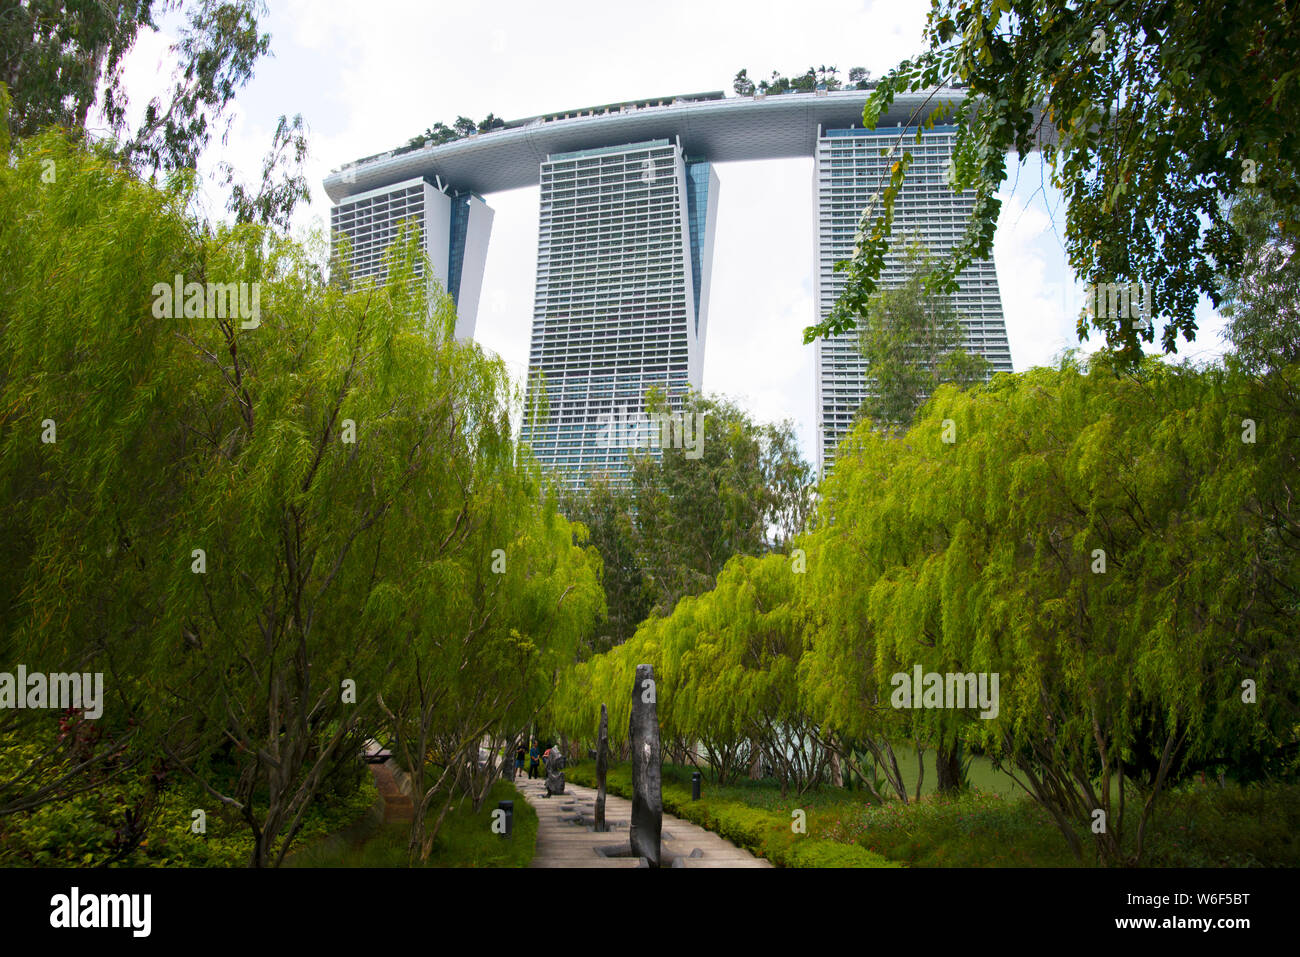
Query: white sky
{"x": 366, "y": 77}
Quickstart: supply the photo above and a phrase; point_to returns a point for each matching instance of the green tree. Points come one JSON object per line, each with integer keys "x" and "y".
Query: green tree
{"x": 58, "y": 55}
{"x": 273, "y": 200}
{"x": 253, "y": 522}
{"x": 1149, "y": 114}
{"x": 57, "y": 58}
{"x": 912, "y": 342}
{"x": 695, "y": 513}
{"x": 828, "y": 76}
{"x": 605, "y": 510}
{"x": 1108, "y": 545}
{"x": 1262, "y": 302}
{"x": 55, "y": 54}
{"x": 739, "y": 680}
{"x": 88, "y": 512}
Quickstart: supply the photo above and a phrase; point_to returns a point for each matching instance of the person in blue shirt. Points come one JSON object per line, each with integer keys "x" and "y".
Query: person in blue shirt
{"x": 533, "y": 757}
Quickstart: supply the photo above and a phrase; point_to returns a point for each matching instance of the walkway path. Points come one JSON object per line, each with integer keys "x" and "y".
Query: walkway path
{"x": 569, "y": 843}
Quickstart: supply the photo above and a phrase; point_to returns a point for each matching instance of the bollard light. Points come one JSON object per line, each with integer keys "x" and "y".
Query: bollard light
{"x": 695, "y": 785}
{"x": 509, "y": 808}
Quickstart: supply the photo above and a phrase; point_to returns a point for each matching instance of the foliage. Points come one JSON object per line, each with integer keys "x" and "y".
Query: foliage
{"x": 1262, "y": 303}
{"x": 252, "y": 523}
{"x": 58, "y": 58}
{"x": 820, "y": 77}
{"x": 1150, "y": 115}
{"x": 1118, "y": 549}
{"x": 440, "y": 133}
{"x": 726, "y": 662}
{"x": 982, "y": 556}
{"x": 745, "y": 490}
{"x": 1202, "y": 825}
{"x": 912, "y": 343}
{"x": 97, "y": 828}
{"x": 1235, "y": 826}
{"x": 693, "y": 514}
{"x": 605, "y": 510}
{"x": 465, "y": 839}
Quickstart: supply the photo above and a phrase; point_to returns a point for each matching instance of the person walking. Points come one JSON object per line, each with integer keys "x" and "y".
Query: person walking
{"x": 519, "y": 760}
{"x": 533, "y": 756}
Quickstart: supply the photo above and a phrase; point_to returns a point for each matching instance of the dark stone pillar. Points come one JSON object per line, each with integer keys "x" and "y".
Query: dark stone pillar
{"x": 602, "y": 765}
{"x": 647, "y": 795}
{"x": 555, "y": 772}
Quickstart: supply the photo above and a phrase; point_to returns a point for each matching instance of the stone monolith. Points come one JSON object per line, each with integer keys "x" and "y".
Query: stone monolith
{"x": 647, "y": 795}
{"x": 602, "y": 765}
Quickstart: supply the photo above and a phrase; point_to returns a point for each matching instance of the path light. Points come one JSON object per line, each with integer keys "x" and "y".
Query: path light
{"x": 695, "y": 785}
{"x": 509, "y": 808}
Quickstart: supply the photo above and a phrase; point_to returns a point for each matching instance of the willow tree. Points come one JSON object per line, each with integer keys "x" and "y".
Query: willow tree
{"x": 863, "y": 544}
{"x": 95, "y": 451}
{"x": 238, "y": 512}
{"x": 1097, "y": 542}
{"x": 744, "y": 668}
{"x": 726, "y": 666}
{"x": 607, "y": 679}
{"x": 497, "y": 607}
{"x": 183, "y": 527}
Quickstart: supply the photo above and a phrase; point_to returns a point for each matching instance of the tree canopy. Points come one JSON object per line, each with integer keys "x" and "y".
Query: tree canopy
{"x": 280, "y": 523}
{"x": 1152, "y": 117}
{"x": 1116, "y": 548}
{"x": 912, "y": 343}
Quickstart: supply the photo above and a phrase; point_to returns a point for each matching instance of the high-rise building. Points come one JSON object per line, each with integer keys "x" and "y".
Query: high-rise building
{"x": 626, "y": 239}
{"x": 624, "y": 253}
{"x": 453, "y": 227}
{"x": 851, "y": 166}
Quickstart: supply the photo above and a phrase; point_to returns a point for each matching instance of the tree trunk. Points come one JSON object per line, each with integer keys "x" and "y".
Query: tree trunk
{"x": 947, "y": 760}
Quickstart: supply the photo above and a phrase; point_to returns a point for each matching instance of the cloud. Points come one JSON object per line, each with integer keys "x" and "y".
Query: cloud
{"x": 1039, "y": 297}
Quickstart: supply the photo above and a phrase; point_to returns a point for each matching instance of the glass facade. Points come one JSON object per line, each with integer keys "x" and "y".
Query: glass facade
{"x": 697, "y": 212}
{"x": 459, "y": 227}
{"x": 615, "y": 307}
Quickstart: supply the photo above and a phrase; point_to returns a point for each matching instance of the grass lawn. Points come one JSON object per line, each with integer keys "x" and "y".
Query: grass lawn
{"x": 465, "y": 839}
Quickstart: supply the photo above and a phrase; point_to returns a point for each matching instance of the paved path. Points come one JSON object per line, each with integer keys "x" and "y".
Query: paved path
{"x": 562, "y": 843}
{"x": 397, "y": 803}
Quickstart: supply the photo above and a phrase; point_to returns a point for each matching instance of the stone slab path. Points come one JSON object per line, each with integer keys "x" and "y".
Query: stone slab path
{"x": 565, "y": 842}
